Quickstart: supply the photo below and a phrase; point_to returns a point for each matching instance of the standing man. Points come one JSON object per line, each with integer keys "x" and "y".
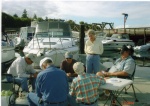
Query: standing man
{"x": 51, "y": 86}
{"x": 22, "y": 70}
{"x": 93, "y": 49}
{"x": 67, "y": 66}
{"x": 84, "y": 88}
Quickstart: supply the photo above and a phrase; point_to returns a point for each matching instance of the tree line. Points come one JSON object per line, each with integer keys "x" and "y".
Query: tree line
{"x": 9, "y": 21}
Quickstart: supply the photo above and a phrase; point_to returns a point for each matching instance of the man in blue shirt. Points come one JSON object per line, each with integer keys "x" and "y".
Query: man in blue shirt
{"x": 51, "y": 86}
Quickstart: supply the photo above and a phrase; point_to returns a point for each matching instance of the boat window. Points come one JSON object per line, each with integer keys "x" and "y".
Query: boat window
{"x": 55, "y": 32}
{"x": 116, "y": 36}
{"x": 30, "y": 36}
{"x": 41, "y": 35}
{"x": 53, "y": 29}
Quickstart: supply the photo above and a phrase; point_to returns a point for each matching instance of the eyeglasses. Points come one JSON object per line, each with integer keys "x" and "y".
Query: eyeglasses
{"x": 68, "y": 58}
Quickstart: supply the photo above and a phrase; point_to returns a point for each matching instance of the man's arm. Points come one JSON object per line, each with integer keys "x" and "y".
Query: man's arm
{"x": 38, "y": 86}
{"x": 120, "y": 73}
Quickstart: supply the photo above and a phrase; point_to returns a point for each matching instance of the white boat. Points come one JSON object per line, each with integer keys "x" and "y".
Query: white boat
{"x": 52, "y": 39}
{"x": 142, "y": 48}
{"x": 7, "y": 53}
{"x": 116, "y": 41}
{"x": 25, "y": 36}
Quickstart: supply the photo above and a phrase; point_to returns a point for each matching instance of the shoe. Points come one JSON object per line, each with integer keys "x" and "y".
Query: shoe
{"x": 23, "y": 95}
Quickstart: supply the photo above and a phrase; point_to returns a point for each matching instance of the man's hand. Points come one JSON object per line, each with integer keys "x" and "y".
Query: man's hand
{"x": 69, "y": 74}
{"x": 35, "y": 74}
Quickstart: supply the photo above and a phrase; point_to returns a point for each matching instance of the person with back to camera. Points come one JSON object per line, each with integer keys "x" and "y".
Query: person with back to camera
{"x": 51, "y": 86}
{"x": 84, "y": 89}
{"x": 67, "y": 66}
{"x": 93, "y": 49}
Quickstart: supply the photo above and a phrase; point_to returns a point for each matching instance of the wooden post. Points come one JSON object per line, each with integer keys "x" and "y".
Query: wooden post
{"x": 81, "y": 39}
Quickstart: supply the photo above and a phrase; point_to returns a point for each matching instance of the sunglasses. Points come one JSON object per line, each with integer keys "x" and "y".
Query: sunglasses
{"x": 68, "y": 58}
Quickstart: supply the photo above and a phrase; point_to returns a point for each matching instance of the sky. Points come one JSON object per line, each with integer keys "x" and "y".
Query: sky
{"x": 90, "y": 11}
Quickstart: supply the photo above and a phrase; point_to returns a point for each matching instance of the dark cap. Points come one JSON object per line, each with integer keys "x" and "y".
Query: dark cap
{"x": 127, "y": 48}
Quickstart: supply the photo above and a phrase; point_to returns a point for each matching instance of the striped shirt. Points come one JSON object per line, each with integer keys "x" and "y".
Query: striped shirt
{"x": 85, "y": 87}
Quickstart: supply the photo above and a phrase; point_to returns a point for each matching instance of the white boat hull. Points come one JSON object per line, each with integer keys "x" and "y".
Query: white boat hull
{"x": 116, "y": 45}
{"x": 8, "y": 53}
{"x": 56, "y": 54}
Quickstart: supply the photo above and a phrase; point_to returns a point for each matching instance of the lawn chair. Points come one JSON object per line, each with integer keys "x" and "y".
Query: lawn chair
{"x": 131, "y": 78}
{"x": 10, "y": 85}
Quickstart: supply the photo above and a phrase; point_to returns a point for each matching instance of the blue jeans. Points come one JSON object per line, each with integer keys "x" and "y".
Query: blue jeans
{"x": 72, "y": 102}
{"x": 33, "y": 101}
{"x": 92, "y": 63}
{"x": 23, "y": 82}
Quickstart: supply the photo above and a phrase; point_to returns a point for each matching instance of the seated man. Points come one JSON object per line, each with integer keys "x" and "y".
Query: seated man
{"x": 22, "y": 70}
{"x": 123, "y": 67}
{"x": 84, "y": 88}
{"x": 67, "y": 66}
{"x": 51, "y": 86}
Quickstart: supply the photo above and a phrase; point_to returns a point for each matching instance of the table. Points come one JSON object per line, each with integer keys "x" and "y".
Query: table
{"x": 115, "y": 86}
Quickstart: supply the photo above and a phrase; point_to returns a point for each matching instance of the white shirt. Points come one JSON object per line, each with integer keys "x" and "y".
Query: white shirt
{"x": 20, "y": 68}
{"x": 95, "y": 47}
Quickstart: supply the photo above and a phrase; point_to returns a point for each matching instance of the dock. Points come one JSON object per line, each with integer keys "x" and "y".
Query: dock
{"x": 141, "y": 85}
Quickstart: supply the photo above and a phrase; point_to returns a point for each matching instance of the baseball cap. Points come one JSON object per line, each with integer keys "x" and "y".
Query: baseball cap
{"x": 78, "y": 68}
{"x": 68, "y": 55}
{"x": 44, "y": 59}
{"x": 127, "y": 48}
{"x": 31, "y": 56}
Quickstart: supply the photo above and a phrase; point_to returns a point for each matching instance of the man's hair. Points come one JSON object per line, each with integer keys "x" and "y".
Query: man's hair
{"x": 48, "y": 61}
{"x": 91, "y": 31}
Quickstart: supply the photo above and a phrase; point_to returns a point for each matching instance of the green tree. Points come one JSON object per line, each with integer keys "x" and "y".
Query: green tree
{"x": 46, "y": 19}
{"x": 72, "y": 23}
{"x": 34, "y": 17}
{"x": 81, "y": 22}
{"x": 24, "y": 15}
{"x": 15, "y": 15}
{"x": 40, "y": 19}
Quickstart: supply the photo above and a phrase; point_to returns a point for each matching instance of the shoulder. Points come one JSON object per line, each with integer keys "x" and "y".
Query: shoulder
{"x": 87, "y": 41}
{"x": 74, "y": 61}
{"x": 19, "y": 60}
{"x": 64, "y": 61}
{"x": 130, "y": 59}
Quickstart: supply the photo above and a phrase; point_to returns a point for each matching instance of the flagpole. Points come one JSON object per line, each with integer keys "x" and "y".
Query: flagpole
{"x": 125, "y": 18}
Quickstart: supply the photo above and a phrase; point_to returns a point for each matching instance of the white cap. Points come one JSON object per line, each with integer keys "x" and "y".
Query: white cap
{"x": 43, "y": 60}
{"x": 78, "y": 68}
{"x": 31, "y": 56}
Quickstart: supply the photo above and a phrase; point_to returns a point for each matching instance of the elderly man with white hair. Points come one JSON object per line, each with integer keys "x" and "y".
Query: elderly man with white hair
{"x": 93, "y": 49}
{"x": 84, "y": 88}
{"x": 51, "y": 86}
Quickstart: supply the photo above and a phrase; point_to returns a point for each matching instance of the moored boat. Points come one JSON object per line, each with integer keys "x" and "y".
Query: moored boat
{"x": 116, "y": 41}
{"x": 52, "y": 39}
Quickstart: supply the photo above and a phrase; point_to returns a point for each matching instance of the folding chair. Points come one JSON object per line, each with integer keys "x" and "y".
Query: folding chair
{"x": 10, "y": 85}
{"x": 131, "y": 78}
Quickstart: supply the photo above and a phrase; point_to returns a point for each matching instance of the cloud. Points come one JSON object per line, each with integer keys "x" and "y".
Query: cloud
{"x": 88, "y": 11}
